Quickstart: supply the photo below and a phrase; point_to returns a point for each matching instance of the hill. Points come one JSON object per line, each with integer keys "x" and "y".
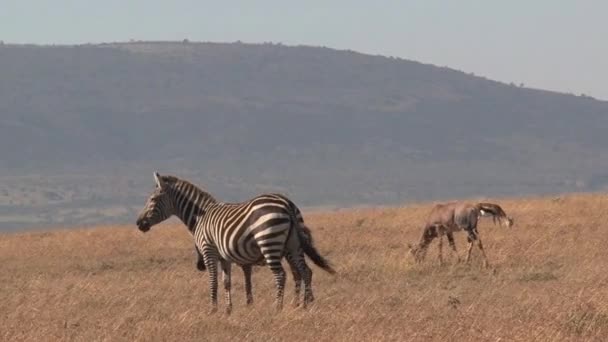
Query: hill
{"x": 547, "y": 282}
{"x": 83, "y": 127}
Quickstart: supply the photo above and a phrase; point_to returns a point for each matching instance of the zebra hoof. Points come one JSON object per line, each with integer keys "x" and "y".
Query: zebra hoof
{"x": 249, "y": 301}
{"x": 228, "y": 310}
{"x": 213, "y": 310}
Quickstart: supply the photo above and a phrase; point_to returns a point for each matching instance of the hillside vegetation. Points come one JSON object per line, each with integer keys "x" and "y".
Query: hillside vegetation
{"x": 82, "y": 128}
{"x": 547, "y": 282}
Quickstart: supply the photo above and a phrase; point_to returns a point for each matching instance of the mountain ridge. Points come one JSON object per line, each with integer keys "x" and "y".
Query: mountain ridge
{"x": 328, "y": 127}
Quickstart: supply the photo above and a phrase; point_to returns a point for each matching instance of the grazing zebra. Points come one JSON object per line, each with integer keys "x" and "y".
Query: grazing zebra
{"x": 262, "y": 230}
{"x": 447, "y": 218}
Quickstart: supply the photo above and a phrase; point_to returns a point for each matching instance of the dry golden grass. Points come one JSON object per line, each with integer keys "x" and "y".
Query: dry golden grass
{"x": 548, "y": 282}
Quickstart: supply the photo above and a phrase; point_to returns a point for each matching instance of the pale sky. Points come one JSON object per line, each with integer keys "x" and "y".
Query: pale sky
{"x": 550, "y": 44}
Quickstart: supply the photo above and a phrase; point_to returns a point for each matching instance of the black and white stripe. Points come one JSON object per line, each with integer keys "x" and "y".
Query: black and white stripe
{"x": 262, "y": 230}
{"x": 305, "y": 234}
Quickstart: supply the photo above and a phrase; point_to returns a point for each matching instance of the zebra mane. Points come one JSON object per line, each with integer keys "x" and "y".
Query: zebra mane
{"x": 191, "y": 201}
{"x": 178, "y": 183}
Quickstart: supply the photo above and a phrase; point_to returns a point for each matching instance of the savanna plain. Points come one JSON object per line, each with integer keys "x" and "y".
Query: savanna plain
{"x": 547, "y": 282}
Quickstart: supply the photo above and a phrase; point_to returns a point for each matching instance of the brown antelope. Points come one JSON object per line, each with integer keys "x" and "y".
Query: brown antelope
{"x": 447, "y": 218}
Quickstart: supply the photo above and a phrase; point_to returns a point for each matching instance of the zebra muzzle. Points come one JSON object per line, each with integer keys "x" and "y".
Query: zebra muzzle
{"x": 143, "y": 225}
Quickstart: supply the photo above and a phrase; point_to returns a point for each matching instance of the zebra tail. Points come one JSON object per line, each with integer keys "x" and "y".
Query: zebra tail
{"x": 309, "y": 249}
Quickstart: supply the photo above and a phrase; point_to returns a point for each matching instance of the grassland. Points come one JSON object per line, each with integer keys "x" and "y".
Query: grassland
{"x": 548, "y": 282}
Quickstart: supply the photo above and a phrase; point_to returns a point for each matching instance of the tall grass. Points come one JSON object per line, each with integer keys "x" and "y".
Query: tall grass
{"x": 548, "y": 282}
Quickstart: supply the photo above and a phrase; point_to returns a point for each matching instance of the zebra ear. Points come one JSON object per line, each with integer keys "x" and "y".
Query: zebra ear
{"x": 158, "y": 180}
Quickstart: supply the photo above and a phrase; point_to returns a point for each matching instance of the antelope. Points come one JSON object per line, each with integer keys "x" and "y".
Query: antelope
{"x": 448, "y": 218}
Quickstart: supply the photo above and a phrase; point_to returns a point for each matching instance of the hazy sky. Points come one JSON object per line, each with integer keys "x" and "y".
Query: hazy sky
{"x": 551, "y": 44}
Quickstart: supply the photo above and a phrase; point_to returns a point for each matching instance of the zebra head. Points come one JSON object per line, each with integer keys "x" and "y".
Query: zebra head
{"x": 158, "y": 208}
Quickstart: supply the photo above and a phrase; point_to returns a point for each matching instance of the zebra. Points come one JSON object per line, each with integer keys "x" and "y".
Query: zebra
{"x": 259, "y": 231}
{"x": 247, "y": 269}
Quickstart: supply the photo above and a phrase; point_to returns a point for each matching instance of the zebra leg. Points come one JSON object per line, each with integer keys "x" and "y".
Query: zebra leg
{"x": 248, "y": 291}
{"x": 279, "y": 278}
{"x": 307, "y": 275}
{"x": 273, "y": 248}
{"x": 226, "y": 268}
{"x": 297, "y": 262}
{"x": 297, "y": 278}
{"x": 274, "y": 262}
{"x": 211, "y": 260}
{"x": 453, "y": 244}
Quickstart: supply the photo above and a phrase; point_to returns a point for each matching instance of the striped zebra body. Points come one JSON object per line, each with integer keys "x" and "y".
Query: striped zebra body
{"x": 262, "y": 230}
{"x": 305, "y": 235}
{"x": 246, "y": 233}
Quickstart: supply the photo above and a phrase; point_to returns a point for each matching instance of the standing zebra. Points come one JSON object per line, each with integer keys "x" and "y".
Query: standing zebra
{"x": 262, "y": 230}
{"x": 247, "y": 269}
